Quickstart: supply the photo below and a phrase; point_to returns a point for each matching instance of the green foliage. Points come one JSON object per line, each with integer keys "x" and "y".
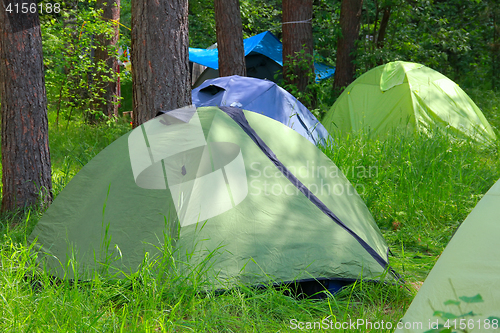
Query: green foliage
{"x": 256, "y": 16}
{"x": 126, "y": 22}
{"x": 259, "y": 15}
{"x": 300, "y": 64}
{"x": 201, "y": 23}
{"x": 326, "y": 29}
{"x": 452, "y": 37}
{"x": 317, "y": 94}
{"x": 69, "y": 42}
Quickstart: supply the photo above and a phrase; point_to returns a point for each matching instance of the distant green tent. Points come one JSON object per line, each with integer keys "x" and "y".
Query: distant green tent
{"x": 465, "y": 281}
{"x": 410, "y": 96}
{"x": 264, "y": 199}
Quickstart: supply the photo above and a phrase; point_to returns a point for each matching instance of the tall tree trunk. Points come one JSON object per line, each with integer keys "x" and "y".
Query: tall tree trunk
{"x": 109, "y": 87}
{"x": 375, "y": 23}
{"x": 383, "y": 27}
{"x": 159, "y": 57}
{"x": 495, "y": 50}
{"x": 229, "y": 38}
{"x": 350, "y": 14}
{"x": 298, "y": 43}
{"x": 25, "y": 145}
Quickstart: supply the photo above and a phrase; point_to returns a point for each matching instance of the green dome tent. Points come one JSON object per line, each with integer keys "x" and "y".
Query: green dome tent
{"x": 410, "y": 96}
{"x": 223, "y": 180}
{"x": 464, "y": 283}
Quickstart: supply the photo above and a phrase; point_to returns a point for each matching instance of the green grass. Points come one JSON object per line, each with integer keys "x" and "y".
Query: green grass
{"x": 419, "y": 190}
{"x": 74, "y": 143}
{"x": 158, "y": 299}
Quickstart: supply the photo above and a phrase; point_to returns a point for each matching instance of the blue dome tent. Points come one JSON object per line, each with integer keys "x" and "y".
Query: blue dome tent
{"x": 264, "y": 97}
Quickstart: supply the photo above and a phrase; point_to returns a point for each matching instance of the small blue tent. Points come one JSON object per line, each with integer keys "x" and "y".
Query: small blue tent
{"x": 263, "y": 56}
{"x": 264, "y": 97}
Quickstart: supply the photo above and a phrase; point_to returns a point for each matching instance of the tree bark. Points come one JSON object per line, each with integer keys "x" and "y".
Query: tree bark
{"x": 350, "y": 15}
{"x": 229, "y": 38}
{"x": 298, "y": 43}
{"x": 107, "y": 82}
{"x": 26, "y": 165}
{"x": 383, "y": 27}
{"x": 159, "y": 57}
{"x": 375, "y": 23}
{"x": 495, "y": 50}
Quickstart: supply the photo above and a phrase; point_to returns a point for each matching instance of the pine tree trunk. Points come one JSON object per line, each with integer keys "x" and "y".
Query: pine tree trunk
{"x": 298, "y": 37}
{"x": 383, "y": 27}
{"x": 108, "y": 102}
{"x": 375, "y": 23}
{"x": 25, "y": 145}
{"x": 495, "y": 50}
{"x": 229, "y": 38}
{"x": 350, "y": 17}
{"x": 159, "y": 57}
